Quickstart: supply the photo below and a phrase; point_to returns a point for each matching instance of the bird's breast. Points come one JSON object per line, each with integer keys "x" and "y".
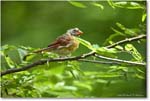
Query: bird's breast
{"x": 74, "y": 44}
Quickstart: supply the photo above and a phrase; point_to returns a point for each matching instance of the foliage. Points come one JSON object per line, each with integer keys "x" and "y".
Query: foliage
{"x": 74, "y": 79}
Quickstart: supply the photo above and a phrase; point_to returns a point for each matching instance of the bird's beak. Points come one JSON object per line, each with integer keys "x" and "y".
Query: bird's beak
{"x": 79, "y": 33}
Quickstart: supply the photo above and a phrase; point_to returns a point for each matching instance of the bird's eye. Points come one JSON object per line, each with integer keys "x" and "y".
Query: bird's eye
{"x": 74, "y": 30}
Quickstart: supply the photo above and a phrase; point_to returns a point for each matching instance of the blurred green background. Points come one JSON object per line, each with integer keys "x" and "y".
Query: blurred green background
{"x": 37, "y": 24}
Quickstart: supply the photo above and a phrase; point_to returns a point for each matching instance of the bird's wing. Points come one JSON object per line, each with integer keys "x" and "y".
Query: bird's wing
{"x": 61, "y": 41}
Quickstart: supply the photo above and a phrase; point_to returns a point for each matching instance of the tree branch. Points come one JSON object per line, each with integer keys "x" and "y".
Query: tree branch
{"x": 142, "y": 36}
{"x": 41, "y": 62}
{"x": 99, "y": 62}
{"x": 120, "y": 61}
{"x": 82, "y": 58}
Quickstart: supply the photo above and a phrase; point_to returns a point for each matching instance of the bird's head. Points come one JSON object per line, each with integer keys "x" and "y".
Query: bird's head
{"x": 75, "y": 31}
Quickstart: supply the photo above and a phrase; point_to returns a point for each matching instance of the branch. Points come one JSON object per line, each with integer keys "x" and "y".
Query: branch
{"x": 142, "y": 36}
{"x": 82, "y": 58}
{"x": 41, "y": 62}
{"x": 99, "y": 62}
{"x": 120, "y": 61}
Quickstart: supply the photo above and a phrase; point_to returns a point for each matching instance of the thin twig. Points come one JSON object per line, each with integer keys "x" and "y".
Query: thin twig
{"x": 120, "y": 61}
{"x": 142, "y": 36}
{"x": 99, "y": 62}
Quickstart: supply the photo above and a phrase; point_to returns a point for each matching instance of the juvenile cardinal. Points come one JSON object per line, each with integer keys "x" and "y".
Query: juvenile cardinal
{"x": 65, "y": 44}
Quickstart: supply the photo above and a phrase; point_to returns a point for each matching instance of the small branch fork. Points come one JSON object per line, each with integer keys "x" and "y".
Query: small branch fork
{"x": 83, "y": 57}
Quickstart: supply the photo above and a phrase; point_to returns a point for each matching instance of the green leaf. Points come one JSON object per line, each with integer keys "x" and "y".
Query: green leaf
{"x": 70, "y": 88}
{"x": 4, "y": 52}
{"x": 50, "y": 55}
{"x": 137, "y": 56}
{"x": 144, "y": 17}
{"x": 75, "y": 74}
{"x": 29, "y": 56}
{"x": 120, "y": 26}
{"x": 47, "y": 64}
{"x": 130, "y": 32}
{"x": 121, "y": 3}
{"x": 9, "y": 61}
{"x": 83, "y": 85}
{"x": 110, "y": 38}
{"x": 6, "y": 48}
{"x": 85, "y": 43}
{"x": 125, "y": 69}
{"x": 106, "y": 50}
{"x": 110, "y": 75}
{"x": 77, "y": 4}
{"x": 119, "y": 47}
{"x": 26, "y": 48}
{"x": 127, "y": 31}
{"x": 110, "y": 2}
{"x": 95, "y": 46}
{"x": 98, "y": 5}
{"x": 139, "y": 76}
{"x": 128, "y": 5}
{"x": 139, "y": 70}
{"x": 128, "y": 47}
{"x": 135, "y": 5}
{"x": 73, "y": 68}
{"x": 22, "y": 53}
{"x": 118, "y": 32}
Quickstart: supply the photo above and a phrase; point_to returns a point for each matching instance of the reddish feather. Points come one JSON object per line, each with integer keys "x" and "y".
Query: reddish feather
{"x": 61, "y": 41}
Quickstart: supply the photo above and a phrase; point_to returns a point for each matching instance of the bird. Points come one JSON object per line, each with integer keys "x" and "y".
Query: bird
{"x": 65, "y": 44}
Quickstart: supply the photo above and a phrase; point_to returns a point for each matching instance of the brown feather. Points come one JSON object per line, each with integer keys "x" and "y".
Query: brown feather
{"x": 60, "y": 41}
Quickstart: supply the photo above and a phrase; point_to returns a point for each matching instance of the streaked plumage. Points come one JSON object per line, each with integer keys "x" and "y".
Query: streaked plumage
{"x": 65, "y": 44}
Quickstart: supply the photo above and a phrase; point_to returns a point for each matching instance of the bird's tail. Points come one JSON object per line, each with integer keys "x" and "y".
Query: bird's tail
{"x": 37, "y": 51}
{"x": 42, "y": 50}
